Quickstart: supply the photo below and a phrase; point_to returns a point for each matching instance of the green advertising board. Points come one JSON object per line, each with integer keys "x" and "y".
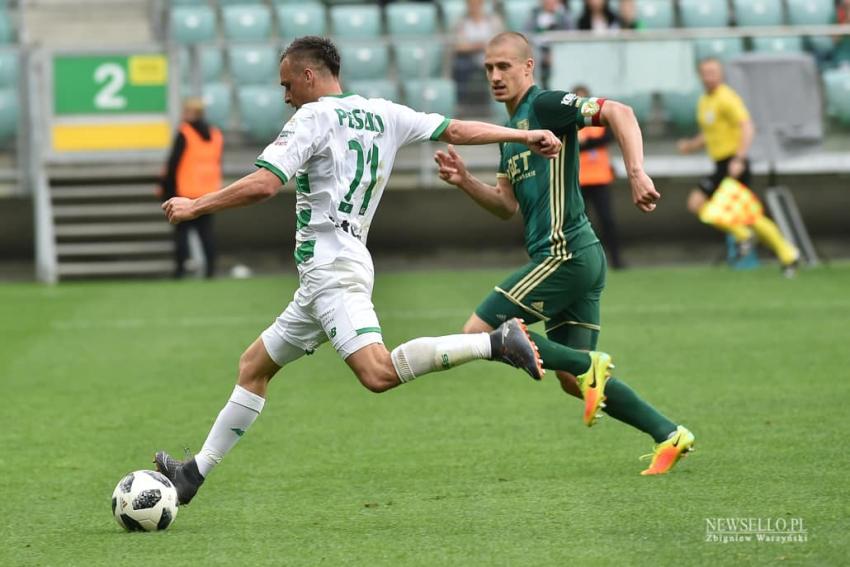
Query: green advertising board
{"x": 109, "y": 85}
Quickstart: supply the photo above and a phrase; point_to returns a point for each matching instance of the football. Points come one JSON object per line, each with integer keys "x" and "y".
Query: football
{"x": 144, "y": 501}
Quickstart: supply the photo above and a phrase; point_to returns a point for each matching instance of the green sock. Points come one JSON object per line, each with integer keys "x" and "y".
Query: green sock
{"x": 621, "y": 402}
{"x": 559, "y": 357}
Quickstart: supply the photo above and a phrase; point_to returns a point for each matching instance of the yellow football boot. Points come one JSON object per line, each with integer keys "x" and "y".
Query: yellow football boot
{"x": 592, "y": 385}
{"x": 667, "y": 454}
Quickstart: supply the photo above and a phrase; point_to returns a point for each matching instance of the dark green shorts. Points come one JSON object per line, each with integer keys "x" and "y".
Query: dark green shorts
{"x": 564, "y": 293}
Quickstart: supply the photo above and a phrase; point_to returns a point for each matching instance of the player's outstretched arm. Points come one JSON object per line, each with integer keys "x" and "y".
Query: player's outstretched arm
{"x": 620, "y": 118}
{"x": 252, "y": 188}
{"x": 472, "y": 133}
{"x": 499, "y": 200}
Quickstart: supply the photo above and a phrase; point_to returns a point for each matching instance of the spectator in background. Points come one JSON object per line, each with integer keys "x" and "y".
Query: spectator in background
{"x": 193, "y": 170}
{"x": 598, "y": 17}
{"x": 472, "y": 33}
{"x": 841, "y": 54}
{"x": 595, "y": 176}
{"x": 628, "y": 15}
{"x": 550, "y": 15}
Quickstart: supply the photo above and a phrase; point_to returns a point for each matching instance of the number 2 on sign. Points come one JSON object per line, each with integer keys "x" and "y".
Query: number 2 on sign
{"x": 373, "y": 159}
{"x": 114, "y": 76}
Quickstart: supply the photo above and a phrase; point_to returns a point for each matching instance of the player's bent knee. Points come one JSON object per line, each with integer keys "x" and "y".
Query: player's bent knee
{"x": 476, "y": 325}
{"x": 374, "y": 368}
{"x": 256, "y": 366}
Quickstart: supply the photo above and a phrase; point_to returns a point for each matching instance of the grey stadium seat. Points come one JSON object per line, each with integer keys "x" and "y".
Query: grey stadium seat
{"x": 364, "y": 60}
{"x": 192, "y": 24}
{"x": 416, "y": 59}
{"x": 656, "y": 14}
{"x": 355, "y": 21}
{"x": 262, "y": 111}
{"x": 791, "y": 43}
{"x": 304, "y": 18}
{"x": 758, "y": 12}
{"x": 217, "y": 104}
{"x": 8, "y": 68}
{"x": 407, "y": 20}
{"x": 253, "y": 64}
{"x": 431, "y": 95}
{"x": 375, "y": 88}
{"x": 721, "y": 48}
{"x": 704, "y": 13}
{"x": 247, "y": 22}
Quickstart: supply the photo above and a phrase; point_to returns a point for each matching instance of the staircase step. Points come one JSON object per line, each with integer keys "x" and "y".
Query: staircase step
{"x": 115, "y": 268}
{"x": 110, "y": 248}
{"x": 102, "y": 192}
{"x": 107, "y": 210}
{"x": 113, "y": 229}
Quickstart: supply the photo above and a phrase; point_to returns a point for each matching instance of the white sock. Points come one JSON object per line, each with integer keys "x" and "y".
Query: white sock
{"x": 428, "y": 354}
{"x": 232, "y": 422}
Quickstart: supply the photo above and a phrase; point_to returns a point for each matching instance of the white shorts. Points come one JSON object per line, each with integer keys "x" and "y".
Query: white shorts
{"x": 333, "y": 302}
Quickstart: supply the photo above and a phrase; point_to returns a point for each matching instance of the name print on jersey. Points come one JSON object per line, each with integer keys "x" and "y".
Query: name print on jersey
{"x": 518, "y": 167}
{"x": 360, "y": 119}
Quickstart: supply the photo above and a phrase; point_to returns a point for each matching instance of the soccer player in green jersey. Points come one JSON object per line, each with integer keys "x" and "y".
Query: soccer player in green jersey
{"x": 563, "y": 282}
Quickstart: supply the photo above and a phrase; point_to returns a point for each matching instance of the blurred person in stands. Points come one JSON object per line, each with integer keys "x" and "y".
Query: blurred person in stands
{"x": 629, "y": 16}
{"x": 723, "y": 199}
{"x": 598, "y": 17}
{"x": 595, "y": 176}
{"x": 192, "y": 171}
{"x": 471, "y": 34}
{"x": 841, "y": 53}
{"x": 550, "y": 15}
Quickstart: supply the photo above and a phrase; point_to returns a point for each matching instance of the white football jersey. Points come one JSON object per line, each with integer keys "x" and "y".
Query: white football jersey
{"x": 341, "y": 150}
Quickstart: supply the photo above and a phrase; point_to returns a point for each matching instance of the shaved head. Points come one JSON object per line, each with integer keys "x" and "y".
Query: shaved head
{"x": 516, "y": 41}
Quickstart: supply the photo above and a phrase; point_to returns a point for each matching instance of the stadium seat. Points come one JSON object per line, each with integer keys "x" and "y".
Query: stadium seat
{"x": 518, "y": 14}
{"x": 792, "y": 43}
{"x": 7, "y": 32}
{"x": 652, "y": 66}
{"x": 211, "y": 63}
{"x": 721, "y": 48}
{"x": 262, "y": 111}
{"x": 375, "y": 88}
{"x": 246, "y": 22}
{"x": 432, "y": 95}
{"x": 304, "y": 18}
{"x": 189, "y": 3}
{"x": 355, "y": 21}
{"x": 641, "y": 104}
{"x": 837, "y": 89}
{"x": 217, "y": 104}
{"x": 811, "y": 12}
{"x": 8, "y": 68}
{"x": 192, "y": 24}
{"x": 364, "y": 60}
{"x": 8, "y": 114}
{"x": 418, "y": 59}
{"x": 758, "y": 12}
{"x": 680, "y": 109}
{"x": 704, "y": 13}
{"x": 656, "y": 14}
{"x": 408, "y": 20}
{"x": 253, "y": 64}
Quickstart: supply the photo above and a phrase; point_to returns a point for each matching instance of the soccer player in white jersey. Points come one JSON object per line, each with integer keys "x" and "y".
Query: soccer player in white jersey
{"x": 339, "y": 148}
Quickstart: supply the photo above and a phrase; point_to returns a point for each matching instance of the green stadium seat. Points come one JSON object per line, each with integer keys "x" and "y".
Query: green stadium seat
{"x": 641, "y": 104}
{"x": 253, "y": 64}
{"x": 364, "y": 60}
{"x": 811, "y": 12}
{"x": 355, "y": 21}
{"x": 720, "y": 48}
{"x": 837, "y": 89}
{"x": 304, "y": 18}
{"x": 680, "y": 109}
{"x": 211, "y": 63}
{"x": 8, "y": 68}
{"x": 418, "y": 59}
{"x": 192, "y": 24}
{"x": 431, "y": 95}
{"x": 518, "y": 13}
{"x": 189, "y": 3}
{"x": 375, "y": 88}
{"x": 8, "y": 114}
{"x": 408, "y": 20}
{"x": 704, "y": 13}
{"x": 656, "y": 14}
{"x": 217, "y": 104}
{"x": 262, "y": 111}
{"x": 787, "y": 44}
{"x": 246, "y": 23}
{"x": 758, "y": 12}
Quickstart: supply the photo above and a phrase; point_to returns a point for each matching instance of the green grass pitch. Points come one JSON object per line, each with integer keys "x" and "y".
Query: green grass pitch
{"x": 476, "y": 466}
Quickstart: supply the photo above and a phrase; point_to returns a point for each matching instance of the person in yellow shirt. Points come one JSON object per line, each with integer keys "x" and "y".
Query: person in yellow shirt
{"x": 723, "y": 199}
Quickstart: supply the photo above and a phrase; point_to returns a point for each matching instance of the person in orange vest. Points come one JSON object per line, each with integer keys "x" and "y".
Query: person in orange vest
{"x": 193, "y": 170}
{"x": 595, "y": 176}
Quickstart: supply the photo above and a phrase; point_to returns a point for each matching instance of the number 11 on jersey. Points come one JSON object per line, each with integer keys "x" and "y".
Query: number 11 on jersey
{"x": 373, "y": 159}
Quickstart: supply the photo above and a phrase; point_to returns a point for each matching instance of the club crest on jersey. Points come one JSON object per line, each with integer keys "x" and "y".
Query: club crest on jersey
{"x": 522, "y": 124}
{"x": 589, "y": 108}
{"x": 569, "y": 99}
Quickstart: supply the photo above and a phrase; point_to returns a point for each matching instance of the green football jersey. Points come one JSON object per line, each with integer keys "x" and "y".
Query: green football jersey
{"x": 548, "y": 192}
